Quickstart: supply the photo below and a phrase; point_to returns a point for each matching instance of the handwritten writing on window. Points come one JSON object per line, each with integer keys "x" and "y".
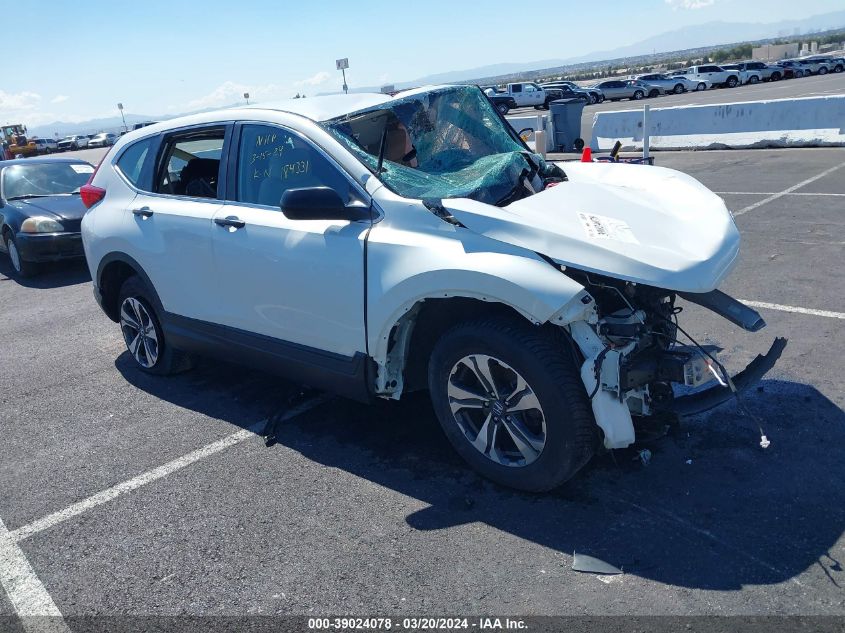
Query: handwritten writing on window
{"x": 286, "y": 171}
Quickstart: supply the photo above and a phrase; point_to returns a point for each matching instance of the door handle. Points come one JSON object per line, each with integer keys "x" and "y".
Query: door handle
{"x": 230, "y": 221}
{"x": 143, "y": 212}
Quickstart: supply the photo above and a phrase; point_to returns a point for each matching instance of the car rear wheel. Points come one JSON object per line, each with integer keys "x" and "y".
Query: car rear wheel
{"x": 143, "y": 334}
{"x": 654, "y": 93}
{"x": 511, "y": 402}
{"x": 593, "y": 99}
{"x": 775, "y": 77}
{"x": 678, "y": 89}
{"x": 822, "y": 70}
{"x": 502, "y": 108}
{"x": 701, "y": 86}
{"x": 21, "y": 267}
{"x": 753, "y": 79}
{"x": 732, "y": 82}
{"x": 799, "y": 73}
{"x": 639, "y": 94}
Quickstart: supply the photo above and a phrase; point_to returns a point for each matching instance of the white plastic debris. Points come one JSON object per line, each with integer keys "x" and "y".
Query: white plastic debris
{"x": 644, "y": 456}
{"x": 764, "y": 441}
{"x": 689, "y": 462}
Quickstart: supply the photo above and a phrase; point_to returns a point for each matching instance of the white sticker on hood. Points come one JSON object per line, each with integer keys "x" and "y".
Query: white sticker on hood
{"x": 604, "y": 228}
{"x": 82, "y": 169}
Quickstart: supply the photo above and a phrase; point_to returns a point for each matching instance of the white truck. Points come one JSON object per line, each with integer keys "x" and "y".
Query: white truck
{"x": 524, "y": 94}
{"x": 747, "y": 75}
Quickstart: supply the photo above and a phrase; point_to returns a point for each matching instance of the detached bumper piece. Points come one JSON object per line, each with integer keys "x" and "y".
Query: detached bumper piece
{"x": 713, "y": 397}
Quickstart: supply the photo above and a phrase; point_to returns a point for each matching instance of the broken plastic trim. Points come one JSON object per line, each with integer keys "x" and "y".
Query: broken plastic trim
{"x": 713, "y": 397}
{"x": 728, "y": 307}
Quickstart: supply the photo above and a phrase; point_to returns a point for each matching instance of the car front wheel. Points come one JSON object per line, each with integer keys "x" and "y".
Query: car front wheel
{"x": 511, "y": 402}
{"x": 701, "y": 86}
{"x": 678, "y": 89}
{"x": 503, "y": 109}
{"x": 143, "y": 334}
{"x": 639, "y": 94}
{"x": 21, "y": 267}
{"x": 732, "y": 82}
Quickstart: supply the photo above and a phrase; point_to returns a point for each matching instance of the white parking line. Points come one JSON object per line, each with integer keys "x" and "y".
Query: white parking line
{"x": 771, "y": 193}
{"x": 775, "y": 196}
{"x": 776, "y": 306}
{"x": 164, "y": 470}
{"x": 25, "y": 591}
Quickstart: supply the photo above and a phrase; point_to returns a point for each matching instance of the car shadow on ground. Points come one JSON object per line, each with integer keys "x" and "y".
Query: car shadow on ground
{"x": 711, "y": 510}
{"x": 51, "y": 275}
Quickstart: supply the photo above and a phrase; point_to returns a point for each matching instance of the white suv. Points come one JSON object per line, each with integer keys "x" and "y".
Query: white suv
{"x": 716, "y": 75}
{"x": 376, "y": 245}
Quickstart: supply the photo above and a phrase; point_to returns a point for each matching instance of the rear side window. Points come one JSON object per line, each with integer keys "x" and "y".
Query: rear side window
{"x": 272, "y": 160}
{"x": 191, "y": 165}
{"x": 131, "y": 162}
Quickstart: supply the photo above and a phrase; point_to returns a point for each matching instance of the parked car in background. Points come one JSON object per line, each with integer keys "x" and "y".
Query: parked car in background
{"x": 767, "y": 72}
{"x": 138, "y": 126}
{"x": 564, "y": 91}
{"x": 694, "y": 84}
{"x": 791, "y": 69}
{"x": 524, "y": 94}
{"x": 716, "y": 75}
{"x": 540, "y": 336}
{"x": 814, "y": 65}
{"x": 746, "y": 75}
{"x": 45, "y": 145}
{"x": 103, "y": 139}
{"x": 595, "y": 95}
{"x": 41, "y": 211}
{"x": 502, "y": 102}
{"x": 650, "y": 89}
{"x": 73, "y": 142}
{"x": 616, "y": 89}
{"x": 669, "y": 84}
{"x": 838, "y": 64}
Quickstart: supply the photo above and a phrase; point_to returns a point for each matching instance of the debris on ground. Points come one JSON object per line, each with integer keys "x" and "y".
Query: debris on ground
{"x": 589, "y": 564}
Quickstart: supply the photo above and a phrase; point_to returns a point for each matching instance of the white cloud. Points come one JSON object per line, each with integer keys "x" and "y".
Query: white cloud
{"x": 320, "y": 78}
{"x": 689, "y": 4}
{"x": 59, "y": 99}
{"x": 18, "y": 101}
{"x": 231, "y": 92}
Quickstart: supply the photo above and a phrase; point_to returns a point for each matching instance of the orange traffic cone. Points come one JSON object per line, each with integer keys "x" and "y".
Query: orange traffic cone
{"x": 587, "y": 156}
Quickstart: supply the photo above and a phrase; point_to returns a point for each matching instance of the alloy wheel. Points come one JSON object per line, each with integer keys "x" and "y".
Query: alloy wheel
{"x": 139, "y": 332}
{"x": 496, "y": 410}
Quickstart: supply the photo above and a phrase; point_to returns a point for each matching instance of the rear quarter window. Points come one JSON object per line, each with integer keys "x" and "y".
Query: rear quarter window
{"x": 131, "y": 161}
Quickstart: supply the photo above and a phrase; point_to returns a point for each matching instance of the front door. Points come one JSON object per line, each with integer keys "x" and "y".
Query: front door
{"x": 294, "y": 281}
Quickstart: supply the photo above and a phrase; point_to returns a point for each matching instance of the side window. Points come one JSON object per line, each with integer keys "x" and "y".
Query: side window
{"x": 516, "y": 88}
{"x": 131, "y": 162}
{"x": 191, "y": 164}
{"x": 272, "y": 160}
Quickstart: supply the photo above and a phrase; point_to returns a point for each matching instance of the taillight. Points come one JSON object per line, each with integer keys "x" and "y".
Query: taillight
{"x": 90, "y": 194}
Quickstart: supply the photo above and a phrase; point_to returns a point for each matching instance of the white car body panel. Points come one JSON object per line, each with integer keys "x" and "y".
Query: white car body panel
{"x": 300, "y": 281}
{"x": 688, "y": 247}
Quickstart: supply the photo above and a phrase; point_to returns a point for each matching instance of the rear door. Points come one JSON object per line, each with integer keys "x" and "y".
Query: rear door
{"x": 171, "y": 224}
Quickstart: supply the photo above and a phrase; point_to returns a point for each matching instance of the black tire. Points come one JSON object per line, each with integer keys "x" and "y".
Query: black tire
{"x": 639, "y": 94}
{"x": 593, "y": 99}
{"x": 169, "y": 360}
{"x": 23, "y": 269}
{"x": 601, "y": 99}
{"x": 732, "y": 82}
{"x": 678, "y": 89}
{"x": 838, "y": 69}
{"x": 701, "y": 86}
{"x": 502, "y": 108}
{"x": 799, "y": 73}
{"x": 550, "y": 372}
{"x": 823, "y": 70}
{"x": 753, "y": 79}
{"x": 775, "y": 77}
{"x": 653, "y": 93}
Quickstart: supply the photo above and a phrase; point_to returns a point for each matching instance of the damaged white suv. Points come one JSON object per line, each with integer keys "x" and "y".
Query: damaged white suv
{"x": 376, "y": 245}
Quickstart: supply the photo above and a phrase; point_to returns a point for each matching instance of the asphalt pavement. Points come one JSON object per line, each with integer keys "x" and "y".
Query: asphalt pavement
{"x": 367, "y": 510}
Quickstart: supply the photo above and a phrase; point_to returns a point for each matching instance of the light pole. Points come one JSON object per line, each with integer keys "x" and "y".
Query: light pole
{"x": 342, "y": 65}
{"x": 120, "y": 107}
{"x": 246, "y": 96}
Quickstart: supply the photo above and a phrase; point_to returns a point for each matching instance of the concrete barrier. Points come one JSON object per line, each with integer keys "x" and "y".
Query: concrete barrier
{"x": 530, "y": 120}
{"x": 800, "y": 122}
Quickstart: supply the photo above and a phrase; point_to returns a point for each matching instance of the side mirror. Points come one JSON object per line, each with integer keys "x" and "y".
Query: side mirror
{"x": 320, "y": 203}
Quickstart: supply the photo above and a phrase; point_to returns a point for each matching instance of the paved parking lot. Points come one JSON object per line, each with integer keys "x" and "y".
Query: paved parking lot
{"x": 816, "y": 86}
{"x": 122, "y": 493}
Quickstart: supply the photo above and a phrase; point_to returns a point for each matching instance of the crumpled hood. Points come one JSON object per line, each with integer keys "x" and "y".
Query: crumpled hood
{"x": 63, "y": 207}
{"x": 645, "y": 224}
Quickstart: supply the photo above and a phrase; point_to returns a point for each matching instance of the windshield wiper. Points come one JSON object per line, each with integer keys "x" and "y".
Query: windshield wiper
{"x": 27, "y": 196}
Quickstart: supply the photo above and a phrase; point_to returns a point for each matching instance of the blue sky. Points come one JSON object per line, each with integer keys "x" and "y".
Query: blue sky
{"x": 160, "y": 57}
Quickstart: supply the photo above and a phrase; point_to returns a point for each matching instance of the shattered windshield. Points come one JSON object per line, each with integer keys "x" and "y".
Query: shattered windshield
{"x": 444, "y": 143}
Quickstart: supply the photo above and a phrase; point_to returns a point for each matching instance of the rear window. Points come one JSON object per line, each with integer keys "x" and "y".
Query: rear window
{"x": 131, "y": 162}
